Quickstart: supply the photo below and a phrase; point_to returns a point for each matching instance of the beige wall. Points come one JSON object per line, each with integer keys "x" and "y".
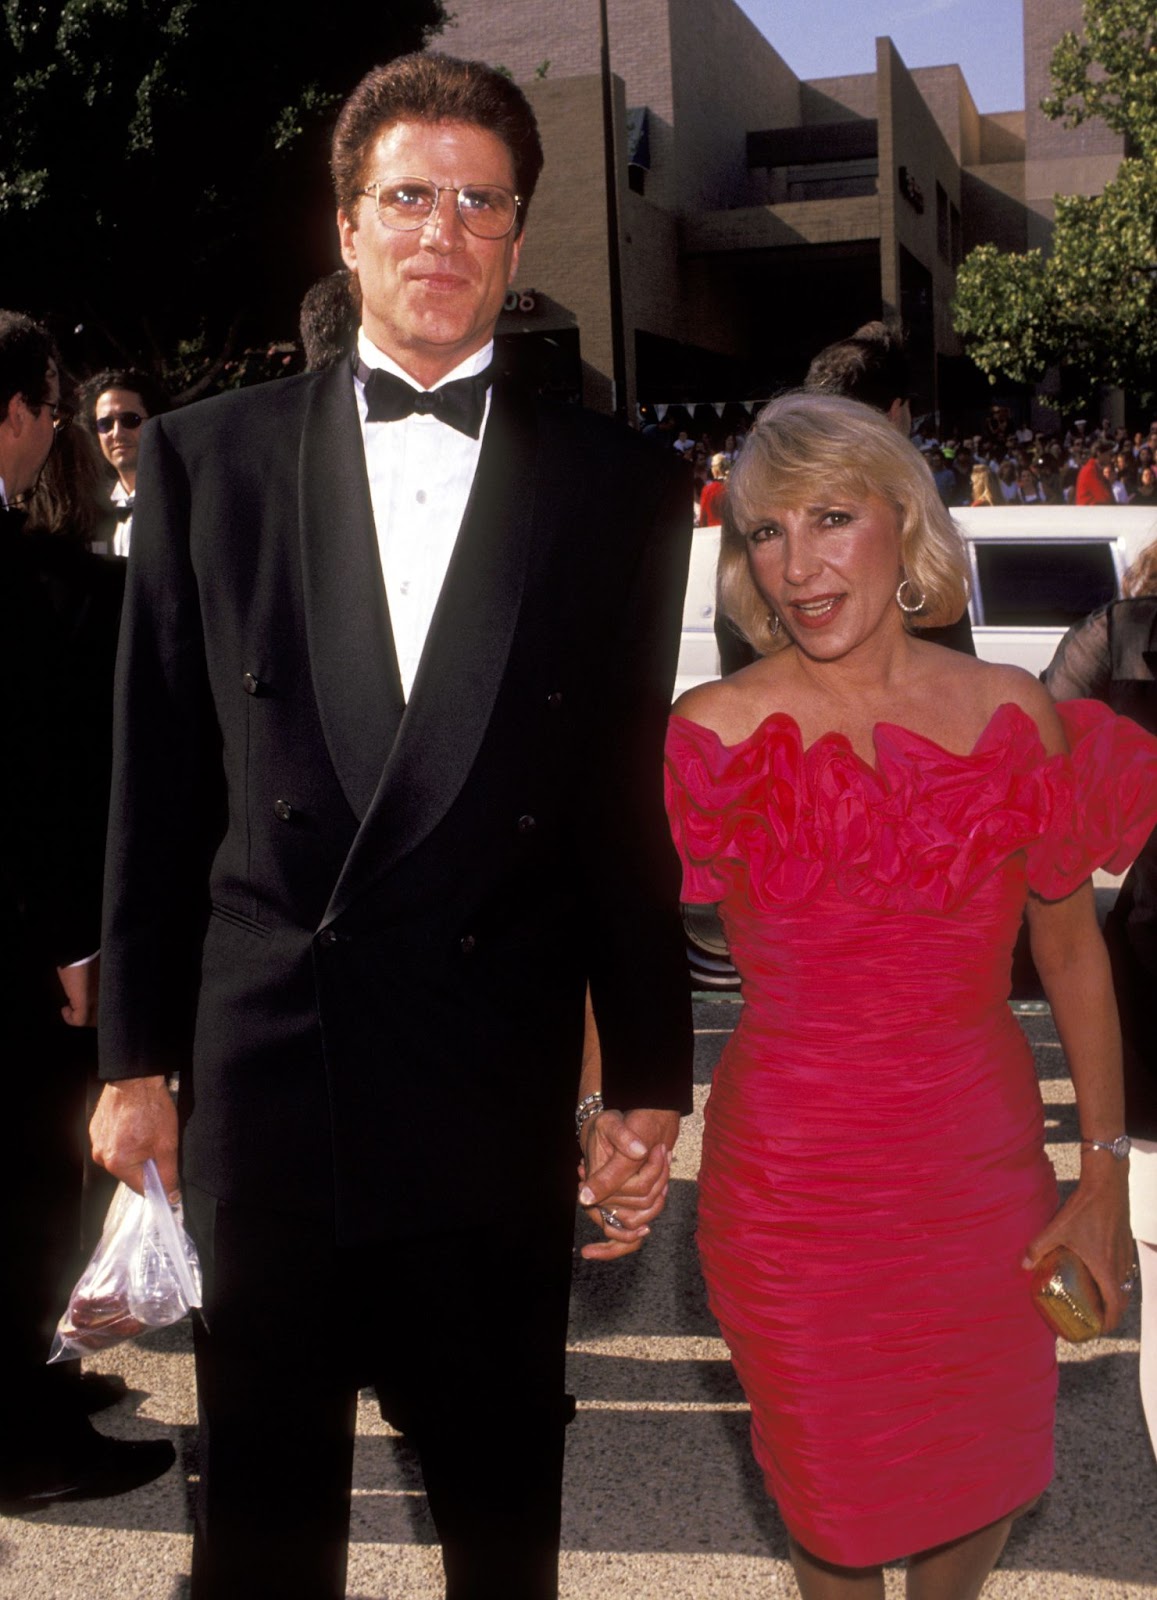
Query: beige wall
{"x": 521, "y": 35}
{"x": 564, "y": 258}
{"x": 838, "y": 99}
{"x": 950, "y": 101}
{"x": 911, "y": 138}
{"x": 1001, "y": 137}
{"x": 728, "y": 81}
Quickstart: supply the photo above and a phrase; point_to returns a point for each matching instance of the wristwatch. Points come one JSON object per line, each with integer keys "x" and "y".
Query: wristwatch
{"x": 1118, "y": 1148}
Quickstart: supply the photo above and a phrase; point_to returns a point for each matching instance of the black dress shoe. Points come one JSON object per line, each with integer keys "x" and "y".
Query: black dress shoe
{"x": 105, "y": 1467}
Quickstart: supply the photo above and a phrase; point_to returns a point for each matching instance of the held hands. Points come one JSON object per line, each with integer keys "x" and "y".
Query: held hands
{"x": 624, "y": 1177}
{"x": 135, "y": 1119}
{"x": 1094, "y": 1223}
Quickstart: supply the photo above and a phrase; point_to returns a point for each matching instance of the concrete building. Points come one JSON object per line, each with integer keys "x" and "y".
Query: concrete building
{"x": 758, "y": 216}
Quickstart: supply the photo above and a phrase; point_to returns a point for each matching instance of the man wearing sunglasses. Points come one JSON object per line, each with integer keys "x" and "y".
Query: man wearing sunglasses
{"x": 122, "y": 401}
{"x": 389, "y": 799}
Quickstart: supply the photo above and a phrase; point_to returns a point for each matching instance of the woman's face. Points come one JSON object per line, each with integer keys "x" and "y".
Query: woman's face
{"x": 829, "y": 570}
{"x": 1145, "y": 478}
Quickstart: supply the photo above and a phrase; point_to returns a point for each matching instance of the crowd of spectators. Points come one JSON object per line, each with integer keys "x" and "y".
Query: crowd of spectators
{"x": 1004, "y": 464}
{"x": 1001, "y": 464}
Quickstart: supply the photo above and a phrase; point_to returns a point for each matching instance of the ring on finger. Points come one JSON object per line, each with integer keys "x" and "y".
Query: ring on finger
{"x": 611, "y": 1217}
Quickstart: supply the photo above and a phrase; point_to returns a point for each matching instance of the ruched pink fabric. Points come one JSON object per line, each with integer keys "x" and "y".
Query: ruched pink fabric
{"x": 873, "y": 1163}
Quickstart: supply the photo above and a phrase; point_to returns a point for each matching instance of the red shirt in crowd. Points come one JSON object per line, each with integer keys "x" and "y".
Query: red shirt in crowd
{"x": 1092, "y": 486}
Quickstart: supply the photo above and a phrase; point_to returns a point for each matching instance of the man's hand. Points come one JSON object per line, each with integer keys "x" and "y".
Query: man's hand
{"x": 80, "y": 985}
{"x": 135, "y": 1119}
{"x": 626, "y": 1173}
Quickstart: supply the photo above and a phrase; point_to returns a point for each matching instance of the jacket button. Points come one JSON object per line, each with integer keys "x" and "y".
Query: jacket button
{"x": 467, "y": 944}
{"x": 554, "y": 701}
{"x": 283, "y": 810}
{"x": 250, "y": 684}
{"x": 527, "y": 824}
{"x": 327, "y": 937}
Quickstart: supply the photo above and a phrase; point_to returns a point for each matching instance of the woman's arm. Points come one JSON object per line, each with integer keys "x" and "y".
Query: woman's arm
{"x": 1073, "y": 964}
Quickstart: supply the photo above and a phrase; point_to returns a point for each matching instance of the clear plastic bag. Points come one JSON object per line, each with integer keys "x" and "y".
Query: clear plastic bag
{"x": 144, "y": 1274}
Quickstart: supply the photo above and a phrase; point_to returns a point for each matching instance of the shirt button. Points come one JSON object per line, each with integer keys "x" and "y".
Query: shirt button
{"x": 283, "y": 810}
{"x": 527, "y": 824}
{"x": 421, "y": 497}
{"x": 250, "y": 684}
{"x": 468, "y": 944}
{"x": 327, "y": 937}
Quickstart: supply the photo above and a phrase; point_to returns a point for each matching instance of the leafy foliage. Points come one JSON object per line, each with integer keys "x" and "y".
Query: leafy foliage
{"x": 1091, "y": 306}
{"x": 1110, "y": 72}
{"x": 163, "y": 165}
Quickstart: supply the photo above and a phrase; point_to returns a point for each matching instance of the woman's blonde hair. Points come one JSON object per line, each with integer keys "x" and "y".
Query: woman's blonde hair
{"x": 805, "y": 445}
{"x": 985, "y": 486}
{"x": 1141, "y": 577}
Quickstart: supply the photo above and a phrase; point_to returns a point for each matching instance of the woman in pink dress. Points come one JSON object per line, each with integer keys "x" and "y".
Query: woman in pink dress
{"x": 873, "y": 813}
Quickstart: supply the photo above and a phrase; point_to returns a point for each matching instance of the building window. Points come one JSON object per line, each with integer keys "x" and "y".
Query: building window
{"x": 832, "y": 180}
{"x": 821, "y": 161}
{"x": 957, "y": 244}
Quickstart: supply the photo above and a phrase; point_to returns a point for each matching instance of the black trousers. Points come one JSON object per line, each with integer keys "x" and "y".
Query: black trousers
{"x": 464, "y": 1337}
{"x": 47, "y": 1068}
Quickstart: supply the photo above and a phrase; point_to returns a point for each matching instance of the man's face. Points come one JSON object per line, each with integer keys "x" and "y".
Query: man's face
{"x": 431, "y": 297}
{"x": 32, "y": 442}
{"x": 120, "y": 443}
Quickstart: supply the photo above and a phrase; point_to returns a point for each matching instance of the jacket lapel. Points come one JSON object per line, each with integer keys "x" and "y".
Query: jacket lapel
{"x": 351, "y": 647}
{"x": 464, "y": 657}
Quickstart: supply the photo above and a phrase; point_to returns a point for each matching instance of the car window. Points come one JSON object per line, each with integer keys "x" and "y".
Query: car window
{"x": 1041, "y": 585}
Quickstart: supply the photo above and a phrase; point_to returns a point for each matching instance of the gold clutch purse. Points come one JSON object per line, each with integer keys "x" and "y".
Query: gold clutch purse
{"x": 1067, "y": 1296}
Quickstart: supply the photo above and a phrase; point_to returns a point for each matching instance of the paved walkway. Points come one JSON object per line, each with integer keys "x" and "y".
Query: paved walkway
{"x": 662, "y": 1502}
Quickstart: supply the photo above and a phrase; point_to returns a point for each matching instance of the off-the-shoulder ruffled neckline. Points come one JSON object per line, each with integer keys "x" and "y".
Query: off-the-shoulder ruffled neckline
{"x": 782, "y": 721}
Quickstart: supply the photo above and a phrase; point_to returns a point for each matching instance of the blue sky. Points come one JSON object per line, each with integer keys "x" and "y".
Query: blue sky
{"x": 825, "y": 37}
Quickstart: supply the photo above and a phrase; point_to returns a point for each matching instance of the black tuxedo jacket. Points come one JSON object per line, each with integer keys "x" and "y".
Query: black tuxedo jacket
{"x": 59, "y": 611}
{"x": 361, "y": 933}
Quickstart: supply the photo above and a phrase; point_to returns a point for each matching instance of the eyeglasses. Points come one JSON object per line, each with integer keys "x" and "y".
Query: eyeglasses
{"x": 127, "y": 419}
{"x": 406, "y": 204}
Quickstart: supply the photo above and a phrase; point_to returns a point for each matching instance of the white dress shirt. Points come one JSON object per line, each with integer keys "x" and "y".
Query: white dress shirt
{"x": 120, "y": 496}
{"x": 421, "y": 473}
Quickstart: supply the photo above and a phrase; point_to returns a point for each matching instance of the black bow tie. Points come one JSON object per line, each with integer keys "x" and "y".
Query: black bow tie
{"x": 122, "y": 510}
{"x": 460, "y": 404}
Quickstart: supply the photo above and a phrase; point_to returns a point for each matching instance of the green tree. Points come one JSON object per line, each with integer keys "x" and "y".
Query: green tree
{"x": 1091, "y": 305}
{"x": 163, "y": 181}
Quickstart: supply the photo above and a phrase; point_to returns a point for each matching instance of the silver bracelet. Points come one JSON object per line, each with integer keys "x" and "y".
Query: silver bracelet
{"x": 1118, "y": 1148}
{"x": 589, "y": 1106}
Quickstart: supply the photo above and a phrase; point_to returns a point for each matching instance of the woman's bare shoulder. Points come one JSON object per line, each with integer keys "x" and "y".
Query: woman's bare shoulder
{"x": 733, "y": 707}
{"x": 999, "y": 683}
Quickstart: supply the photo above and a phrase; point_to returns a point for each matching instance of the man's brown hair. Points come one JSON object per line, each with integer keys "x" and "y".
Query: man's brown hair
{"x": 429, "y": 87}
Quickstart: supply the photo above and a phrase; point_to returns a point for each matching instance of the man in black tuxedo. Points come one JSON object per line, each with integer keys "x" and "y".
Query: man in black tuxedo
{"x": 392, "y": 697}
{"x": 59, "y": 608}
